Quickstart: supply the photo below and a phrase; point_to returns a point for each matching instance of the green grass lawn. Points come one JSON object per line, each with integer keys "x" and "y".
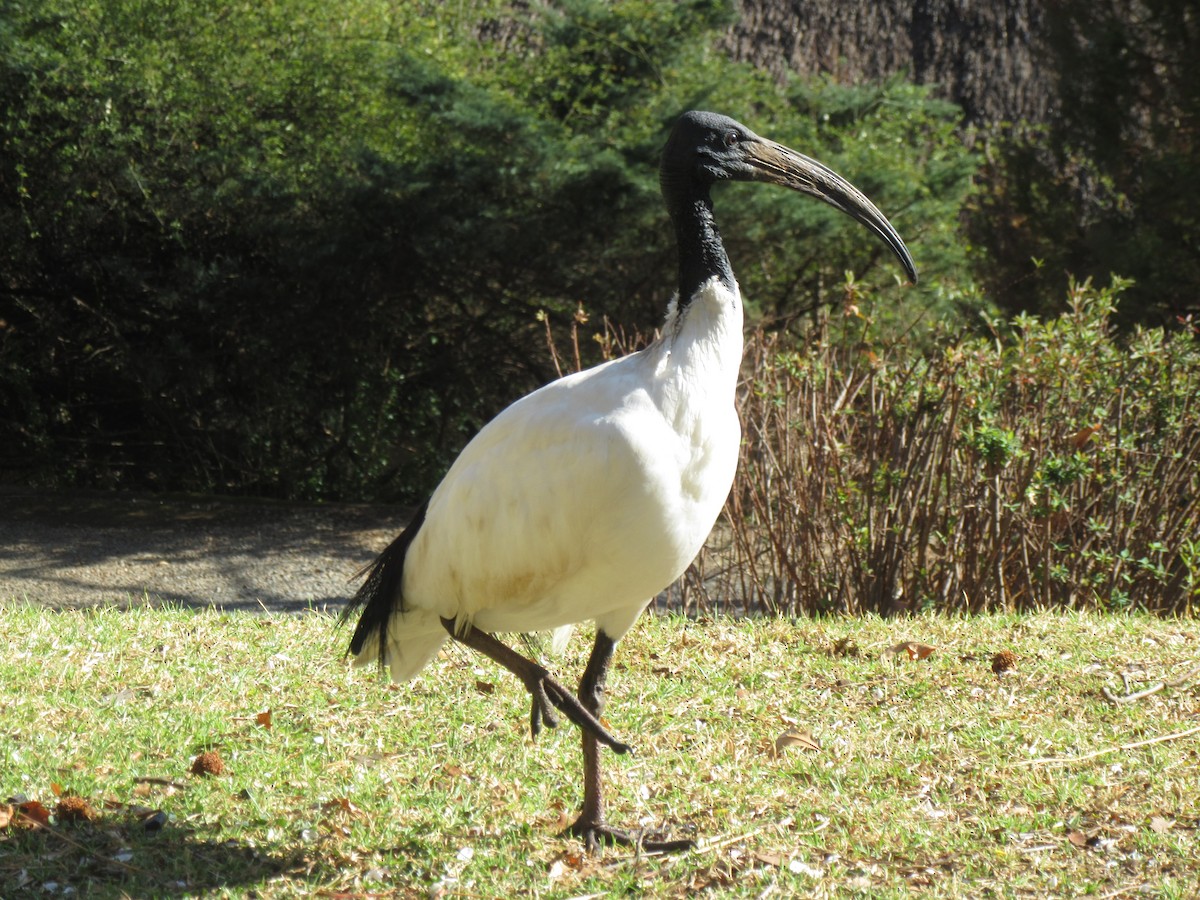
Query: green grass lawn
{"x": 929, "y": 776}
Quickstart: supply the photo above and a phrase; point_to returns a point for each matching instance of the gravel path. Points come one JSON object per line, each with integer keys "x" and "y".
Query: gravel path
{"x": 86, "y": 549}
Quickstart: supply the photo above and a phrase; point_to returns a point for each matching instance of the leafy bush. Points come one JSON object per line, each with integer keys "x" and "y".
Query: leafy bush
{"x": 1048, "y": 464}
{"x": 299, "y": 249}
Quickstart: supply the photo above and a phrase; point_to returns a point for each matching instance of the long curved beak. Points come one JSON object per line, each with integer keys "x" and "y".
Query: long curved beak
{"x": 778, "y": 164}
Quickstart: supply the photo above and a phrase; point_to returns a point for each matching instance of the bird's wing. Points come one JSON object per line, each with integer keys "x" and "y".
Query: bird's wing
{"x": 546, "y": 516}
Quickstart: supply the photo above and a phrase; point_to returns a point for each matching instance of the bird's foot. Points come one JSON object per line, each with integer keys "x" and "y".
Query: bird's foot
{"x": 546, "y": 692}
{"x": 594, "y": 834}
{"x": 548, "y": 695}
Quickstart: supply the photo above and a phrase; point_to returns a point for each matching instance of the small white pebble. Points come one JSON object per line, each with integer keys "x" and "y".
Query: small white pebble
{"x": 796, "y": 867}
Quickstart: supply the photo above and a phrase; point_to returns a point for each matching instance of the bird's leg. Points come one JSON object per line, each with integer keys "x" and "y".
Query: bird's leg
{"x": 590, "y": 827}
{"x": 547, "y": 693}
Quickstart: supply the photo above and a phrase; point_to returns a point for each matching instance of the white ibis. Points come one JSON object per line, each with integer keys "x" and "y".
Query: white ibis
{"x": 585, "y": 499}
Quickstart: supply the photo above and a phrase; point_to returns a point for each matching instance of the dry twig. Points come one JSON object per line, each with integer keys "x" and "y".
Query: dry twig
{"x": 1130, "y": 698}
{"x": 1067, "y": 760}
{"x": 1153, "y": 689}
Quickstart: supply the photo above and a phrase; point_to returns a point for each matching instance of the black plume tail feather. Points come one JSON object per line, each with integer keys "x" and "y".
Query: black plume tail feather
{"x": 380, "y": 596}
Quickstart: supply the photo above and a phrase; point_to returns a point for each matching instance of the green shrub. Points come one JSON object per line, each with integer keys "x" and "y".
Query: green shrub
{"x": 298, "y": 249}
{"x": 1049, "y": 464}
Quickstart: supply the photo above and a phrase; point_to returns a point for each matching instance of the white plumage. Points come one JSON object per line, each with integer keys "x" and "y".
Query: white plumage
{"x": 586, "y": 498}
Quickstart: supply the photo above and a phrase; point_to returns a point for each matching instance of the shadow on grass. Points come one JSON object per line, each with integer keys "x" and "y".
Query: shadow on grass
{"x": 106, "y": 859}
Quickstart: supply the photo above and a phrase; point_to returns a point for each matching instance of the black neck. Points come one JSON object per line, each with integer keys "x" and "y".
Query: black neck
{"x": 701, "y": 253}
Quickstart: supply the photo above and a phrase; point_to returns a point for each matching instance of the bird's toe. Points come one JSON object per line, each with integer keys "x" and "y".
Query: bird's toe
{"x": 596, "y": 834}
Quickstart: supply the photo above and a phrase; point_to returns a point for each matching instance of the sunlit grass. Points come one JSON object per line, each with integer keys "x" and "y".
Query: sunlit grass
{"x": 931, "y": 775}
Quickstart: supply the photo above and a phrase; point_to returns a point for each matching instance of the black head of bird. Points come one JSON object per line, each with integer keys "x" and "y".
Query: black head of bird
{"x": 705, "y": 148}
{"x": 585, "y": 499}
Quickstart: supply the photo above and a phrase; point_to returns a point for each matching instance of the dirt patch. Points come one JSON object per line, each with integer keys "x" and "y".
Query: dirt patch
{"x": 92, "y": 548}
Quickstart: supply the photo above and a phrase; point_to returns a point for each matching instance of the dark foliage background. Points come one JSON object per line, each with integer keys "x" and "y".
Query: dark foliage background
{"x": 1108, "y": 182}
{"x": 301, "y": 251}
{"x": 304, "y": 250}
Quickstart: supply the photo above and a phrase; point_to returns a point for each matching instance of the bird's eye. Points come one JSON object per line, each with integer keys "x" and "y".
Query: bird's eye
{"x": 731, "y": 138}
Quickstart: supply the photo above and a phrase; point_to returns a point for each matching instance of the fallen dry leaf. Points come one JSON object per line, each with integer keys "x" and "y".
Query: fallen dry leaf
{"x": 343, "y": 805}
{"x": 485, "y": 687}
{"x": 1078, "y": 839}
{"x": 795, "y": 738}
{"x": 1083, "y": 435}
{"x": 264, "y": 719}
{"x": 1159, "y": 825}
{"x": 32, "y": 813}
{"x": 845, "y": 647}
{"x": 914, "y": 649}
{"x": 147, "y": 784}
